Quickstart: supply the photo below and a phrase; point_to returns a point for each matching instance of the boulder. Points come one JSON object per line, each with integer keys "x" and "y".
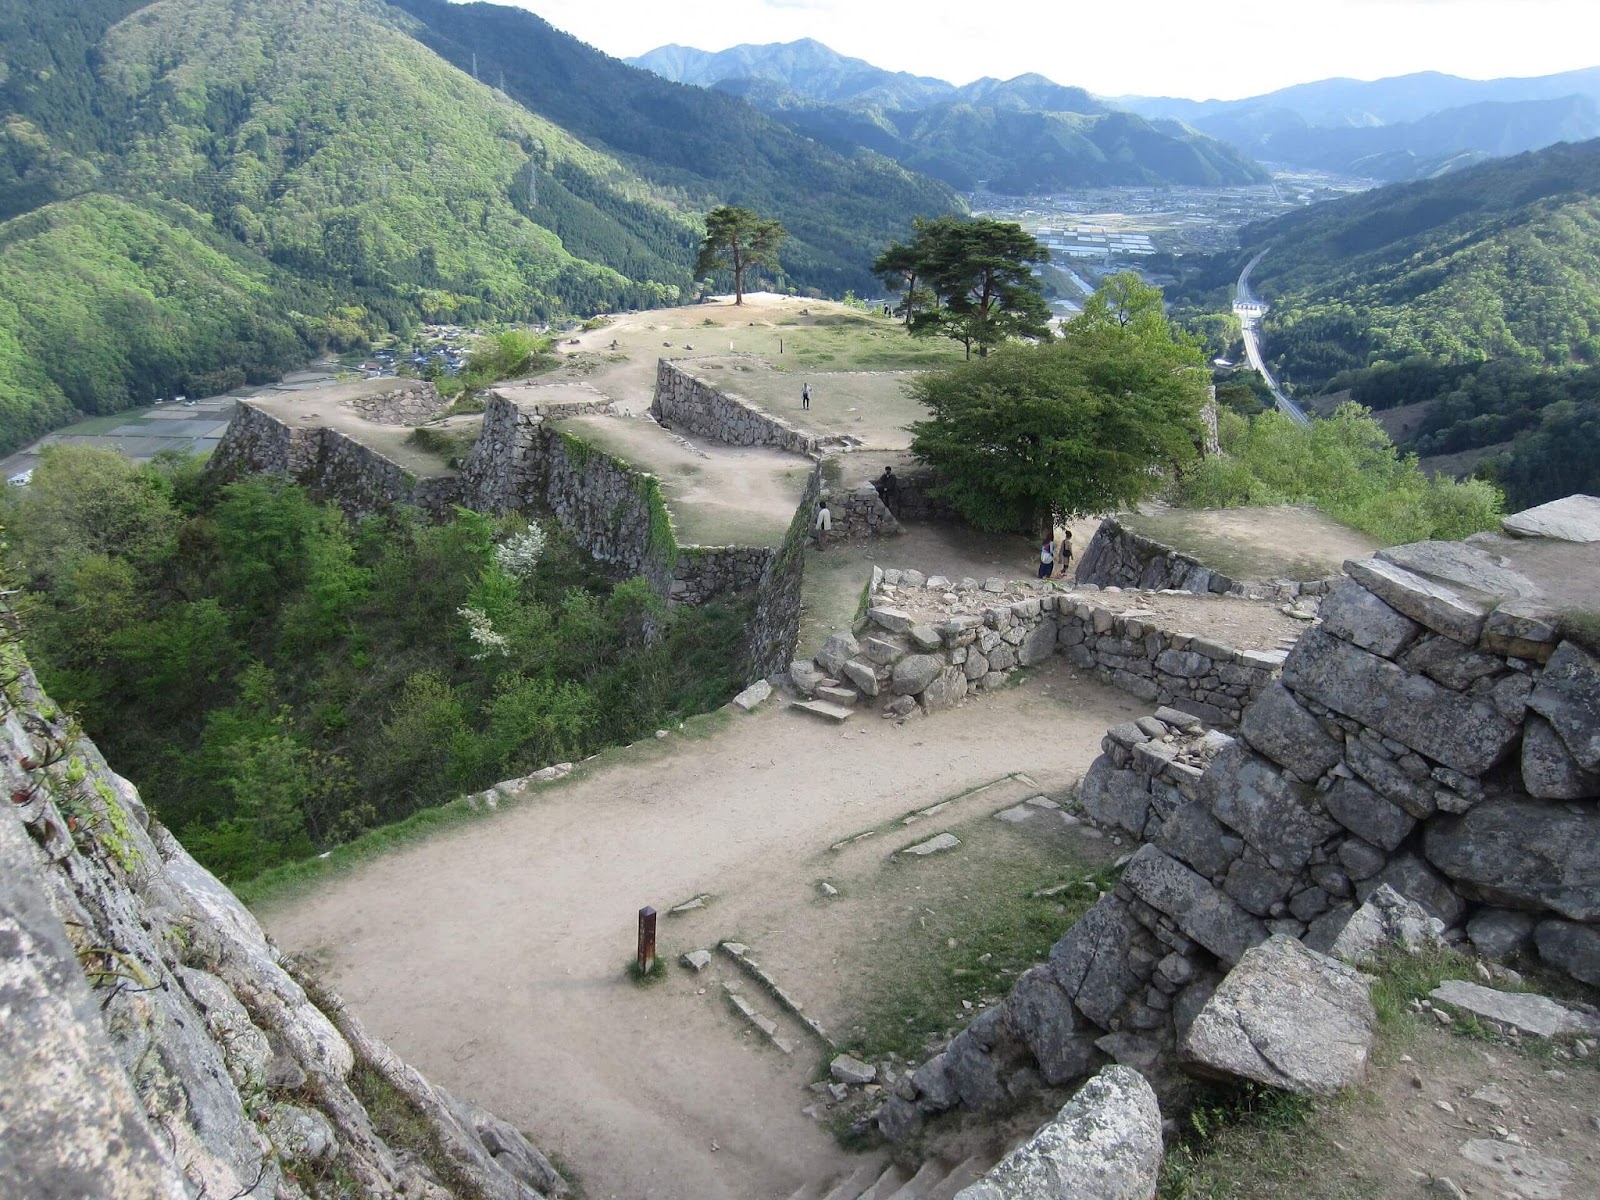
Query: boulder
{"x": 935, "y": 1092}
{"x": 805, "y": 677}
{"x": 1279, "y": 817}
{"x": 1447, "y": 661}
{"x": 1549, "y": 771}
{"x": 847, "y": 1069}
{"x": 1192, "y": 835}
{"x": 1521, "y": 629}
{"x": 1093, "y": 961}
{"x": 1470, "y": 568}
{"x": 1289, "y": 735}
{"x": 1041, "y": 1014}
{"x": 1388, "y": 779}
{"x": 882, "y": 650}
{"x": 1255, "y": 887}
{"x": 926, "y": 638}
{"x": 1570, "y": 519}
{"x": 863, "y": 675}
{"x": 1442, "y": 609}
{"x": 1568, "y": 696}
{"x": 1522, "y": 853}
{"x": 974, "y": 1073}
{"x": 945, "y": 691}
{"x": 1572, "y": 947}
{"x": 1105, "y": 1144}
{"x": 1466, "y": 735}
{"x": 1356, "y": 615}
{"x": 1415, "y": 880}
{"x": 1038, "y": 645}
{"x": 914, "y": 673}
{"x": 836, "y": 651}
{"x": 1501, "y": 933}
{"x": 1200, "y": 910}
{"x": 752, "y": 697}
{"x": 1368, "y": 815}
{"x": 1386, "y": 919}
{"x": 1524, "y": 1011}
{"x": 1115, "y": 797}
{"x": 893, "y": 619}
{"x": 1287, "y": 1017}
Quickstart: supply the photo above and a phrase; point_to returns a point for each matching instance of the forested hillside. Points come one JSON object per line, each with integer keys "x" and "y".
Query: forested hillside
{"x": 1403, "y": 293}
{"x": 839, "y": 208}
{"x": 1023, "y": 136}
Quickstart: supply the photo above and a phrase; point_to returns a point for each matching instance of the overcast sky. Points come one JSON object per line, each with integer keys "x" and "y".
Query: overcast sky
{"x": 1145, "y": 47}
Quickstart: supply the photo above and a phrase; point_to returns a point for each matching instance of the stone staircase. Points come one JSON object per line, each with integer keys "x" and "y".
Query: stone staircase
{"x": 830, "y": 699}
{"x": 934, "y": 1180}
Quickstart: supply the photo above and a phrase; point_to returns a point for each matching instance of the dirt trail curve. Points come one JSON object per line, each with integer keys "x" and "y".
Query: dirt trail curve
{"x": 493, "y": 957}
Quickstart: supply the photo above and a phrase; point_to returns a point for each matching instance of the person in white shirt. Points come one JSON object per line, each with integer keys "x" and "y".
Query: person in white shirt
{"x": 823, "y": 524}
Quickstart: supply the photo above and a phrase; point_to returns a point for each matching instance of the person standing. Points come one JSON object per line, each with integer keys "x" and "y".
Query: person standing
{"x": 823, "y": 524}
{"x": 888, "y": 487}
{"x": 1064, "y": 554}
{"x": 805, "y": 396}
{"x": 1047, "y": 557}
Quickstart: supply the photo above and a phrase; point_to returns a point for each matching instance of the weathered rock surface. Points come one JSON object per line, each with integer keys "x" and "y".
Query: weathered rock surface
{"x": 1287, "y": 1017}
{"x": 1114, "y": 797}
{"x": 1570, "y": 519}
{"x": 1568, "y": 696}
{"x": 1572, "y": 947}
{"x": 1522, "y": 853}
{"x": 1549, "y": 771}
{"x": 1386, "y": 919}
{"x": 914, "y": 673}
{"x": 1368, "y": 815}
{"x": 1105, "y": 1144}
{"x": 1445, "y": 726}
{"x": 1499, "y": 933}
{"x": 1200, "y": 910}
{"x": 1525, "y": 1011}
{"x": 1093, "y": 960}
{"x": 1356, "y": 615}
{"x": 752, "y": 697}
{"x": 1442, "y": 609}
{"x": 1280, "y": 818}
{"x": 1041, "y": 1014}
{"x": 839, "y": 649}
{"x": 1289, "y": 735}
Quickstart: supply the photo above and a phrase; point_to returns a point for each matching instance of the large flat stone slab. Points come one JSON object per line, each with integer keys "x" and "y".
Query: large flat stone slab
{"x": 943, "y": 841}
{"x": 1200, "y": 910}
{"x": 822, "y": 708}
{"x": 1105, "y": 1144}
{"x": 1530, "y": 1013}
{"x": 1523, "y": 853}
{"x": 1287, "y": 1017}
{"x": 1442, "y": 609}
{"x": 1570, "y": 519}
{"x": 1469, "y": 736}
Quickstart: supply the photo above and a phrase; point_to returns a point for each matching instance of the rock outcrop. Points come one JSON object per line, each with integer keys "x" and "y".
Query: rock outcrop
{"x": 157, "y": 1045}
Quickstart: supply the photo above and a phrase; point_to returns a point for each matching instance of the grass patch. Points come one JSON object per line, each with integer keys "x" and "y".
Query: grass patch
{"x": 1255, "y": 1142}
{"x": 1583, "y": 628}
{"x": 985, "y": 932}
{"x": 1222, "y": 553}
{"x": 451, "y": 445}
{"x": 656, "y": 973}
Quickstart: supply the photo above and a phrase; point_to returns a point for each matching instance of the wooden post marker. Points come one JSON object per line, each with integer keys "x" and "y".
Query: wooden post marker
{"x": 647, "y": 940}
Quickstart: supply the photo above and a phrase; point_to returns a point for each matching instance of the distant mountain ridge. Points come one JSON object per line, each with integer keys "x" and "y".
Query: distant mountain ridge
{"x": 1023, "y": 135}
{"x": 1400, "y": 128}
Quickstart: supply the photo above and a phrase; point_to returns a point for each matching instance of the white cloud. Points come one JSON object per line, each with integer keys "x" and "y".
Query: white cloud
{"x": 1151, "y": 47}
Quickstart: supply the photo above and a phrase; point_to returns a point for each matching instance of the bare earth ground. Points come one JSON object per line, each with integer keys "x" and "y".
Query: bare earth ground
{"x": 321, "y": 407}
{"x": 492, "y": 958}
{"x": 718, "y": 495}
{"x": 1282, "y": 542}
{"x": 871, "y": 406}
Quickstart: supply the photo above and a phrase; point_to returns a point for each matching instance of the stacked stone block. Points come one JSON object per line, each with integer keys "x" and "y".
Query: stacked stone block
{"x": 1435, "y": 733}
{"x": 408, "y": 402}
{"x": 1119, "y": 557}
{"x": 860, "y": 513}
{"x": 683, "y": 401}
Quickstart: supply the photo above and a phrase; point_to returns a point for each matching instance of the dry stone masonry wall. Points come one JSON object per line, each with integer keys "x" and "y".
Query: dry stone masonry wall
{"x": 683, "y": 401}
{"x": 860, "y": 513}
{"x": 909, "y": 666}
{"x": 329, "y": 464}
{"x": 157, "y": 1043}
{"x": 1430, "y": 753}
{"x": 1119, "y": 557}
{"x": 409, "y": 402}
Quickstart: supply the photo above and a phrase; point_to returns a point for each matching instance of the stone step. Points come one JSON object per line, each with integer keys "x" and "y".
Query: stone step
{"x": 943, "y": 841}
{"x": 920, "y": 1185}
{"x": 740, "y": 954}
{"x": 963, "y": 1174}
{"x": 885, "y": 1185}
{"x": 767, "y": 1026}
{"x": 834, "y": 712}
{"x": 845, "y": 697}
{"x": 861, "y": 1178}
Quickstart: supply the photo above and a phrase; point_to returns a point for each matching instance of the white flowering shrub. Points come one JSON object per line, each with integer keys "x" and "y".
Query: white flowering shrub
{"x": 519, "y": 554}
{"x": 481, "y": 630}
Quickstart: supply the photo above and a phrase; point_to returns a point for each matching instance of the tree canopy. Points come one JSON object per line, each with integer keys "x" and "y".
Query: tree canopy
{"x": 979, "y": 281}
{"x": 1088, "y": 423}
{"x": 736, "y": 240}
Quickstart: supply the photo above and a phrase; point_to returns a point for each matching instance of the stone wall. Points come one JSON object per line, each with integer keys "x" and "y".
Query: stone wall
{"x": 158, "y": 1045}
{"x": 683, "y": 401}
{"x": 408, "y": 402}
{"x": 1435, "y": 733}
{"x": 329, "y": 464}
{"x": 775, "y": 625}
{"x": 907, "y": 665}
{"x": 1120, "y": 557}
{"x": 860, "y": 513}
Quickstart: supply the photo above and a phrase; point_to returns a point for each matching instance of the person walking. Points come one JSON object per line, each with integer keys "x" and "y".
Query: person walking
{"x": 823, "y": 524}
{"x": 805, "y": 396}
{"x": 1047, "y": 557}
{"x": 1064, "y": 554}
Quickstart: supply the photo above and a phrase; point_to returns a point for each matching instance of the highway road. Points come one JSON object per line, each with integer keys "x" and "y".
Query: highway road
{"x": 1249, "y": 308}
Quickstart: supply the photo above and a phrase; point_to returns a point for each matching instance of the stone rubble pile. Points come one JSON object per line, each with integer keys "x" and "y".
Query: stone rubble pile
{"x": 1423, "y": 769}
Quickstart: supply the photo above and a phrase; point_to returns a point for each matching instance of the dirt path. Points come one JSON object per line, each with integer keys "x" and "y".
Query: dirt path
{"x": 492, "y": 958}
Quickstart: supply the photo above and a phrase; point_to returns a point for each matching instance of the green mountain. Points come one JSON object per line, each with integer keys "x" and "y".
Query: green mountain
{"x": 1022, "y": 136}
{"x": 839, "y": 207}
{"x": 199, "y": 193}
{"x": 1474, "y": 296}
